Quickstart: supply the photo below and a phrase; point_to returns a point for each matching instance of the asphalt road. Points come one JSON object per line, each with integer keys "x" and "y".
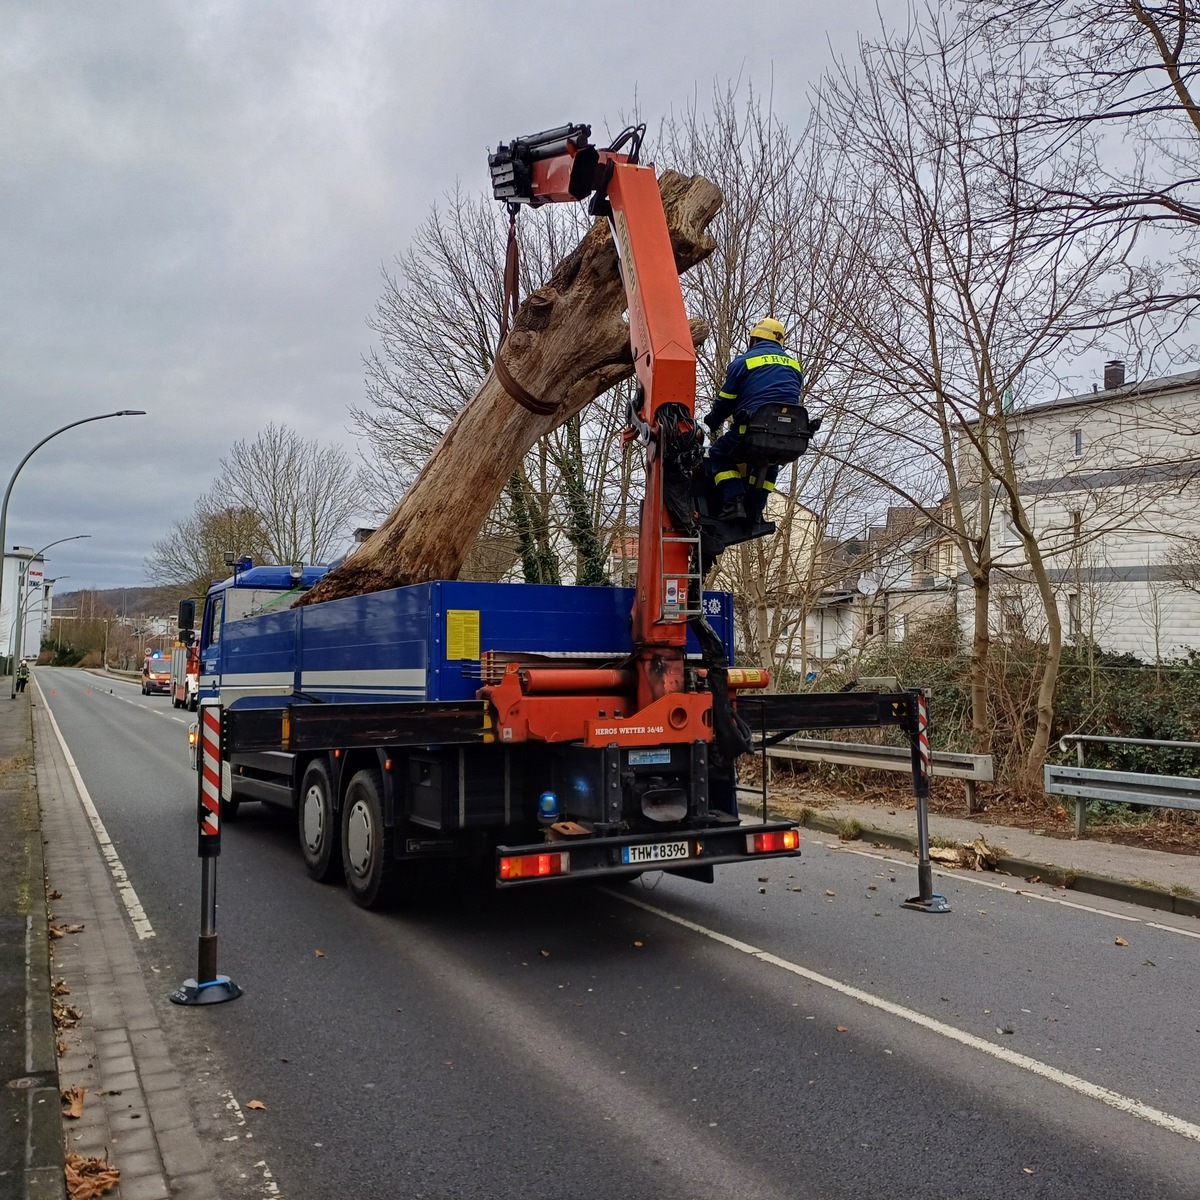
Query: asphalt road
{"x": 789, "y": 1031}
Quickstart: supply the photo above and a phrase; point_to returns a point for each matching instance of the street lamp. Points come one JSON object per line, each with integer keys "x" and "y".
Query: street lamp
{"x": 22, "y": 583}
{"x": 124, "y": 412}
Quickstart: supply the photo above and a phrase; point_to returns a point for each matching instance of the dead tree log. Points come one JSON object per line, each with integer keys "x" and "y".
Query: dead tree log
{"x": 569, "y": 344}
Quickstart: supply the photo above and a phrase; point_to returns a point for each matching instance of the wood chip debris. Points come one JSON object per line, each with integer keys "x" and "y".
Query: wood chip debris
{"x": 975, "y": 856}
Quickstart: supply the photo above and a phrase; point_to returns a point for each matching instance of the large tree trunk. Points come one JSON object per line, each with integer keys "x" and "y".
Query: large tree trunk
{"x": 569, "y": 344}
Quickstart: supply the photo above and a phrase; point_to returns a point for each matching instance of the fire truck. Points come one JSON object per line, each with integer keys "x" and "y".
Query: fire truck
{"x": 185, "y": 676}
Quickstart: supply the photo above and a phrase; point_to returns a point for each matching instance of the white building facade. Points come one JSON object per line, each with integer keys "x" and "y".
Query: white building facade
{"x": 21, "y": 567}
{"x": 1110, "y": 481}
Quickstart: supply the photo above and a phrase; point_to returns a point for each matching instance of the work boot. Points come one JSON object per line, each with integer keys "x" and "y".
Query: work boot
{"x": 734, "y": 510}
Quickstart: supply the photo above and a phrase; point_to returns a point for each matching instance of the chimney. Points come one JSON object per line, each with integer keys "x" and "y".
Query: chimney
{"x": 1114, "y": 374}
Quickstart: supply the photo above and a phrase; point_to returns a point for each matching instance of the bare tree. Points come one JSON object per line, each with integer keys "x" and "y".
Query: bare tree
{"x": 971, "y": 296}
{"x": 304, "y": 495}
{"x": 193, "y": 552}
{"x": 438, "y": 322}
{"x": 1127, "y": 69}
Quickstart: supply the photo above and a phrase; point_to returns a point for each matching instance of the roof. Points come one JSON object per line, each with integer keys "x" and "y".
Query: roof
{"x": 277, "y": 578}
{"x": 1128, "y": 391}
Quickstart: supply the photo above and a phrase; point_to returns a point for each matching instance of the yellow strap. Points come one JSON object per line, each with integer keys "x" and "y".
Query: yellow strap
{"x": 725, "y": 476}
{"x": 772, "y": 360}
{"x": 741, "y": 429}
{"x": 727, "y": 395}
{"x": 768, "y": 486}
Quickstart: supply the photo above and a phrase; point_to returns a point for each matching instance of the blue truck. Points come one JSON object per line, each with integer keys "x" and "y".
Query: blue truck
{"x": 379, "y": 722}
{"x": 547, "y": 733}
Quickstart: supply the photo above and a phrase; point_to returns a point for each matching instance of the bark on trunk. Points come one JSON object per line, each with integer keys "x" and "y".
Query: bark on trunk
{"x": 569, "y": 344}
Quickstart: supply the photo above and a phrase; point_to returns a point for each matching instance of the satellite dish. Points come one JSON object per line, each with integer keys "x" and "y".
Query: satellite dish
{"x": 868, "y": 585}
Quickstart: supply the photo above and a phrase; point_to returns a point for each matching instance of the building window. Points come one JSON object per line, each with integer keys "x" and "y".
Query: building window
{"x": 1077, "y": 435}
{"x": 1073, "y": 621}
{"x": 898, "y": 627}
{"x": 1010, "y": 614}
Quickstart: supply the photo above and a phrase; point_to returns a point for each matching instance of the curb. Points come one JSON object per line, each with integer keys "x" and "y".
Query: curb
{"x": 44, "y": 1174}
{"x": 1021, "y": 868}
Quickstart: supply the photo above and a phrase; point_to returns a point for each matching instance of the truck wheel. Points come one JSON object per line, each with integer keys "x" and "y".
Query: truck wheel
{"x": 372, "y": 871}
{"x": 318, "y": 824}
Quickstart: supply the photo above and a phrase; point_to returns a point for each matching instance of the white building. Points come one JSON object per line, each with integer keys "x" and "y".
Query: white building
{"x": 21, "y": 566}
{"x": 1110, "y": 481}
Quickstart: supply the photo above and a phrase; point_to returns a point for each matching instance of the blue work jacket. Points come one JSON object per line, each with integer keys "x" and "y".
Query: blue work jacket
{"x": 760, "y": 375}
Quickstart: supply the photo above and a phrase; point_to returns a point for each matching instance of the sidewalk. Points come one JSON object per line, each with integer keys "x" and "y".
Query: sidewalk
{"x": 135, "y": 1107}
{"x": 31, "y": 1155}
{"x": 1154, "y": 878}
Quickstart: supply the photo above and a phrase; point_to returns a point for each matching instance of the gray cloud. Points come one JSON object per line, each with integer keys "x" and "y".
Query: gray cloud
{"x": 195, "y": 200}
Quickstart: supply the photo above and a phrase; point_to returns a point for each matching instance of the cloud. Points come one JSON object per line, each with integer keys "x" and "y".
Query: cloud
{"x": 195, "y": 200}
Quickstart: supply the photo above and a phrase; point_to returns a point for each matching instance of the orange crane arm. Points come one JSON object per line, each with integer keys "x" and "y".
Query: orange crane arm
{"x": 561, "y": 165}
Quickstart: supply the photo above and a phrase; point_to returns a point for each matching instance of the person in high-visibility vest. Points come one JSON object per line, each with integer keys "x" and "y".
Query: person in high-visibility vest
{"x": 764, "y": 373}
{"x": 22, "y": 675}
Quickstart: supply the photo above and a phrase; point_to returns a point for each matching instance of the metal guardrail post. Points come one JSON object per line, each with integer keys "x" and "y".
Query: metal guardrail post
{"x": 208, "y": 987}
{"x": 927, "y": 900}
{"x": 1080, "y": 802}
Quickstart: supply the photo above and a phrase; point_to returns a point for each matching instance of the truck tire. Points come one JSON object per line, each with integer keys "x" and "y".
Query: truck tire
{"x": 317, "y": 820}
{"x": 371, "y": 868}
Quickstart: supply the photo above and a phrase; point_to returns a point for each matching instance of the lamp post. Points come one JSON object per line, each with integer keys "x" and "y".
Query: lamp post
{"x": 22, "y": 582}
{"x": 124, "y": 412}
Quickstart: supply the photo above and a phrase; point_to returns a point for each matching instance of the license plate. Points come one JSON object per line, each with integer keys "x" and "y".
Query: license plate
{"x": 647, "y": 758}
{"x": 654, "y": 852}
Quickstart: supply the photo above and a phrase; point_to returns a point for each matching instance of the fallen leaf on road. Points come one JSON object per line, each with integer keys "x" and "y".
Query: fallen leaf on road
{"x": 1028, "y": 1170}
{"x": 1121, "y": 941}
{"x": 258, "y": 1105}
{"x": 762, "y": 891}
{"x": 639, "y": 944}
{"x": 90, "y": 1177}
{"x": 73, "y": 1099}
{"x": 763, "y": 878}
{"x": 60, "y": 988}
{"x": 318, "y": 954}
{"x": 56, "y": 895}
{"x": 544, "y": 953}
{"x": 829, "y": 891}
{"x": 60, "y": 1048}
{"x": 842, "y": 1028}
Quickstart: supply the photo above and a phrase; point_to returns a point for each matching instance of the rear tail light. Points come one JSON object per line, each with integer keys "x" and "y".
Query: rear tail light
{"x": 772, "y": 843}
{"x": 535, "y": 866}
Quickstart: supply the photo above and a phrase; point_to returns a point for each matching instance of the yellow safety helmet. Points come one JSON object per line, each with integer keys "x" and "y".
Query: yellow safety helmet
{"x": 770, "y": 329}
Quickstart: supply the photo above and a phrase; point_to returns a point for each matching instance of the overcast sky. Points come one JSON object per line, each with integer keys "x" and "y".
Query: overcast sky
{"x": 196, "y": 198}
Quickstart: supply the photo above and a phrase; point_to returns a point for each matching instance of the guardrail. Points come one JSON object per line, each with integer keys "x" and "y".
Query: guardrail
{"x": 1120, "y": 787}
{"x": 972, "y": 769}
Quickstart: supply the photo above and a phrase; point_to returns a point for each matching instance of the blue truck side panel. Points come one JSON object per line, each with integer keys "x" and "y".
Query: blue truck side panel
{"x": 393, "y": 645}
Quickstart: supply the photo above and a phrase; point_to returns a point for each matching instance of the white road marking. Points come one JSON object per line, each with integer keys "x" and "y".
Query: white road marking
{"x": 1125, "y": 1104}
{"x": 129, "y": 897}
{"x": 964, "y": 877}
{"x": 1173, "y": 929}
{"x": 270, "y": 1187}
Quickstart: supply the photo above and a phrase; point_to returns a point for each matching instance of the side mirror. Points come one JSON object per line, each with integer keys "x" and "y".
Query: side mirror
{"x": 187, "y": 617}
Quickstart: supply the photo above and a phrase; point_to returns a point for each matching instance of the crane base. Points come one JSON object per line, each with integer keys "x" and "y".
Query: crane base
{"x": 216, "y": 991}
{"x": 933, "y": 904}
